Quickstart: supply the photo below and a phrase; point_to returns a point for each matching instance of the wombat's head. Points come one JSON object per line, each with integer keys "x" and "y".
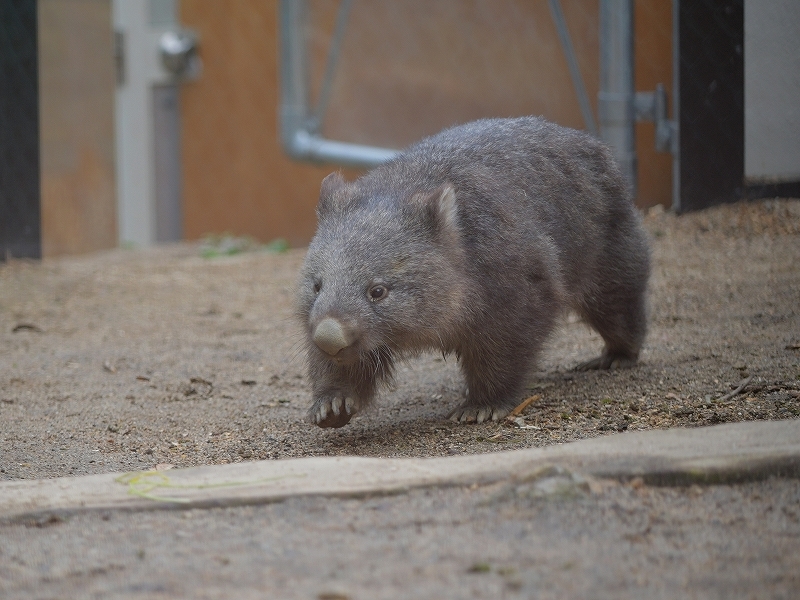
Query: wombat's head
{"x": 381, "y": 276}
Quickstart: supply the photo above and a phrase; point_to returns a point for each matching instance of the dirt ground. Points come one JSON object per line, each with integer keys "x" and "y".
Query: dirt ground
{"x": 129, "y": 359}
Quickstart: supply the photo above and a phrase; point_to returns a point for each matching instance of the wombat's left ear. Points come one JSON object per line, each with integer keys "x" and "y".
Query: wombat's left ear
{"x": 328, "y": 193}
{"x": 439, "y": 209}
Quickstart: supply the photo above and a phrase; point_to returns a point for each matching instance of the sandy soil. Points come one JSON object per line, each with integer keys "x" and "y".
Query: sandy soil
{"x": 129, "y": 359}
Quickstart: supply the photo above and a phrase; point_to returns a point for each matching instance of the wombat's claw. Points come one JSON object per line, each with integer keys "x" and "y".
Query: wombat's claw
{"x": 334, "y": 412}
{"x": 477, "y": 414}
{"x": 606, "y": 361}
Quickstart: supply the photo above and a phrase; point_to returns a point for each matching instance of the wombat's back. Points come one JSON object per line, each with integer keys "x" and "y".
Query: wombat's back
{"x": 529, "y": 189}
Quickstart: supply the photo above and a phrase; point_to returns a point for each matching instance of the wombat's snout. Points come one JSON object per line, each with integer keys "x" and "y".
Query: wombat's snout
{"x": 330, "y": 336}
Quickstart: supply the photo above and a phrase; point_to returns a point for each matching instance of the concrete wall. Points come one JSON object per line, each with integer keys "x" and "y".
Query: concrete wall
{"x": 772, "y": 90}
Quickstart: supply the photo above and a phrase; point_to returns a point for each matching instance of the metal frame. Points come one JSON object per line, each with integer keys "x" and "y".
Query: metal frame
{"x": 298, "y": 124}
{"x": 619, "y": 106}
{"x": 153, "y": 56}
{"x": 615, "y": 102}
{"x": 301, "y": 125}
{"x": 574, "y": 70}
{"x": 676, "y": 108}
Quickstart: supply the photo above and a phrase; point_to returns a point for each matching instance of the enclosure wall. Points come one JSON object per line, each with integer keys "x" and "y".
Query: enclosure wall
{"x": 237, "y": 178}
{"x": 76, "y": 91}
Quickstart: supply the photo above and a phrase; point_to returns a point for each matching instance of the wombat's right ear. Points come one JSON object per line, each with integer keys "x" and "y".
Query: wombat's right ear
{"x": 439, "y": 209}
{"x": 329, "y": 196}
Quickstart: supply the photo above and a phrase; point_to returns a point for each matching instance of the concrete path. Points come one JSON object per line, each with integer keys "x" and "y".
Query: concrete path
{"x": 721, "y": 454}
{"x": 625, "y": 517}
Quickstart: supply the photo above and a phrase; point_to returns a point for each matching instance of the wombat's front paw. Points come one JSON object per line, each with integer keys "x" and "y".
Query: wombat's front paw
{"x": 332, "y": 411}
{"x": 468, "y": 413}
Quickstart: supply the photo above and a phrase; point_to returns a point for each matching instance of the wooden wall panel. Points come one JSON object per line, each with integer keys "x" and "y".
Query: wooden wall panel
{"x": 407, "y": 69}
{"x": 76, "y": 89}
{"x": 653, "y": 52}
{"x": 411, "y": 68}
{"x": 236, "y": 178}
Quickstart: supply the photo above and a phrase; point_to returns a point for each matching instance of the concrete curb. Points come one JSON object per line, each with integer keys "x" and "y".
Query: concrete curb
{"x": 720, "y": 454}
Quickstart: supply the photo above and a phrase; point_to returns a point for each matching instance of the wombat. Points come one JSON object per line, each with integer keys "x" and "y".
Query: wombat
{"x": 473, "y": 241}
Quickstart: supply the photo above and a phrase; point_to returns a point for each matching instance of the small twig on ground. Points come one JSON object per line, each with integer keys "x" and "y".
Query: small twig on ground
{"x": 522, "y": 406}
{"x": 778, "y": 386}
{"x": 738, "y": 390}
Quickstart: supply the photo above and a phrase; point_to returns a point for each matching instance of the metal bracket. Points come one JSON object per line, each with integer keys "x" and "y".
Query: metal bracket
{"x": 653, "y": 106}
{"x": 178, "y": 51}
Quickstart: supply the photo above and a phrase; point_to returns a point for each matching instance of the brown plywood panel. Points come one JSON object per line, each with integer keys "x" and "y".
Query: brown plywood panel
{"x": 653, "y": 51}
{"x": 407, "y": 69}
{"x": 236, "y": 177}
{"x": 76, "y": 88}
{"x": 410, "y": 68}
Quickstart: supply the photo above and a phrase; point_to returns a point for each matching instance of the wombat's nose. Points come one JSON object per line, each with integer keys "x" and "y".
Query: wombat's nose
{"x": 329, "y": 336}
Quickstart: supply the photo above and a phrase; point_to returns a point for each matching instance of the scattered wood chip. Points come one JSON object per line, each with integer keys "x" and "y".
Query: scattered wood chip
{"x": 636, "y": 483}
{"x": 333, "y": 596}
{"x": 109, "y": 367}
{"x": 793, "y": 347}
{"x": 248, "y": 382}
{"x": 142, "y": 378}
{"x": 735, "y": 392}
{"x": 522, "y": 406}
{"x": 26, "y": 327}
{"x": 201, "y": 380}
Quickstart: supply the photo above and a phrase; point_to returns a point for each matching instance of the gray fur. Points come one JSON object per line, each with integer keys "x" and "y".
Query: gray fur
{"x": 472, "y": 241}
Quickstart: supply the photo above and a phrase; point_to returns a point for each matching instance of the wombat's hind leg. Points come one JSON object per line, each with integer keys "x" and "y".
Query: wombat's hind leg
{"x": 494, "y": 379}
{"x": 607, "y": 360}
{"x": 622, "y": 322}
{"x": 334, "y": 410}
{"x": 467, "y": 413}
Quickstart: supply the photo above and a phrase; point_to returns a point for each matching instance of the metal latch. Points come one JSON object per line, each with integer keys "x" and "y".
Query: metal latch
{"x": 652, "y": 106}
{"x": 178, "y": 50}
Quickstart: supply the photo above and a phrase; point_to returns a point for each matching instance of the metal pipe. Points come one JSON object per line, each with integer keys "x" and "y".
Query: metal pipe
{"x": 676, "y": 108}
{"x": 296, "y": 121}
{"x": 294, "y": 70}
{"x": 616, "y": 97}
{"x": 330, "y": 67}
{"x": 315, "y": 148}
{"x": 572, "y": 62}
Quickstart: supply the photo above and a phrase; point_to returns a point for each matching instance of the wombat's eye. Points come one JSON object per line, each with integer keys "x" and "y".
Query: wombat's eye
{"x": 377, "y": 292}
{"x": 317, "y": 286}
